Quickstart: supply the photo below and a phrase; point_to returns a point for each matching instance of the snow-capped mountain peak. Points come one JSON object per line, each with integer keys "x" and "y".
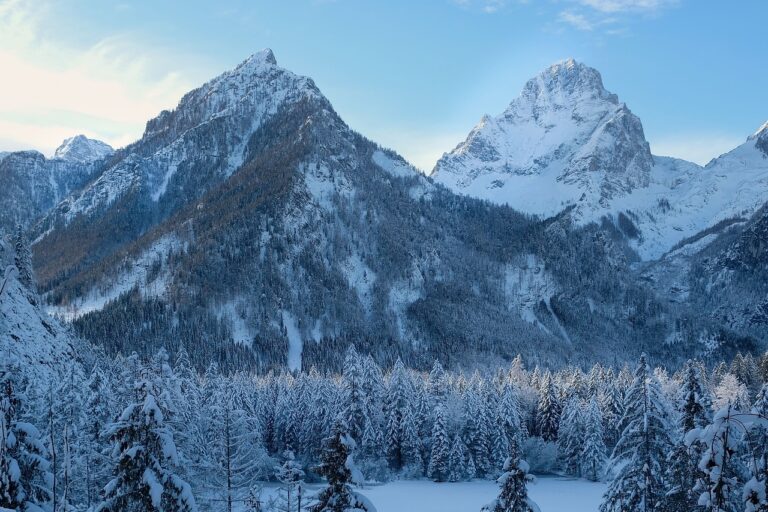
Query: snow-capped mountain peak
{"x": 761, "y": 138}
{"x": 82, "y": 149}
{"x": 563, "y": 84}
{"x": 564, "y": 140}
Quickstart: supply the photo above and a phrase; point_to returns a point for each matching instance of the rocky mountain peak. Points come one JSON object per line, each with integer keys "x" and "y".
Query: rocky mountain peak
{"x": 564, "y": 84}
{"x": 82, "y": 149}
{"x": 761, "y": 138}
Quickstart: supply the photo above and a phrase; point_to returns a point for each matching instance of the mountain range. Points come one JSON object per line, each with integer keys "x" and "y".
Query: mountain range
{"x": 252, "y": 225}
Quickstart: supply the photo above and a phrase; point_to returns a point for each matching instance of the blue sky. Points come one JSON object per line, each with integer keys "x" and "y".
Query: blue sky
{"x": 412, "y": 75}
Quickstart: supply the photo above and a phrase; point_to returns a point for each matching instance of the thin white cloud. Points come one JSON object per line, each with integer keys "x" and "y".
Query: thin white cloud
{"x": 487, "y": 6}
{"x": 576, "y": 20}
{"x": 613, "y": 16}
{"x": 695, "y": 147}
{"x": 616, "y": 6}
{"x": 50, "y": 87}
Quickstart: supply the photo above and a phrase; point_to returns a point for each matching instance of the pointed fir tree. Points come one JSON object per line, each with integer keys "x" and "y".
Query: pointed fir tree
{"x": 593, "y": 454}
{"x": 720, "y": 466}
{"x": 457, "y": 462}
{"x": 641, "y": 451}
{"x": 548, "y": 410}
{"x": 513, "y": 481}
{"x": 23, "y": 258}
{"x": 570, "y": 437}
{"x": 144, "y": 454}
{"x": 755, "y": 492}
{"x": 339, "y": 470}
{"x": 24, "y": 467}
{"x": 440, "y": 457}
{"x": 681, "y": 471}
{"x": 354, "y": 407}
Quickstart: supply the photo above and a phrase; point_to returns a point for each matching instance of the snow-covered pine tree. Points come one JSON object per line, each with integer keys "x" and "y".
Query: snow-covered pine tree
{"x": 354, "y": 406}
{"x": 439, "y": 459}
{"x": 457, "y": 461}
{"x": 681, "y": 471}
{"x": 23, "y": 258}
{"x": 511, "y": 416}
{"x": 611, "y": 404}
{"x": 476, "y": 431}
{"x": 97, "y": 413}
{"x": 144, "y": 454}
{"x": 291, "y": 493}
{"x": 24, "y": 467}
{"x": 593, "y": 454}
{"x": 570, "y": 437}
{"x": 338, "y": 468}
{"x": 642, "y": 449}
{"x": 401, "y": 438}
{"x": 721, "y": 469}
{"x": 755, "y": 492}
{"x": 548, "y": 410}
{"x": 513, "y": 482}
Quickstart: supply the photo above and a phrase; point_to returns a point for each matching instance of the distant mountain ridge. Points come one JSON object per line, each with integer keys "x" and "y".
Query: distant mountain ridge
{"x": 33, "y": 184}
{"x": 252, "y": 215}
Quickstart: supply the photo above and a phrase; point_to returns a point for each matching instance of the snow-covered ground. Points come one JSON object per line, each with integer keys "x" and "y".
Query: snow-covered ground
{"x": 552, "y": 494}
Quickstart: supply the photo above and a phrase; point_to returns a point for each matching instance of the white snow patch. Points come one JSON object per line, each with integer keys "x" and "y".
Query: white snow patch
{"x": 360, "y": 278}
{"x": 393, "y": 166}
{"x": 295, "y": 344}
{"x": 525, "y": 285}
{"x": 241, "y": 333}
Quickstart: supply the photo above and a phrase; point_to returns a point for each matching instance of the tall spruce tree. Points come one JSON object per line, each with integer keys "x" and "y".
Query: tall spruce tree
{"x": 513, "y": 481}
{"x": 593, "y": 453}
{"x": 641, "y": 451}
{"x": 440, "y": 457}
{"x": 144, "y": 455}
{"x": 339, "y": 470}
{"x": 24, "y": 467}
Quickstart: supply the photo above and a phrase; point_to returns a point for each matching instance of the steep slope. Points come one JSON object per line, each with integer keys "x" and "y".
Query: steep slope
{"x": 253, "y": 225}
{"x": 33, "y": 184}
{"x": 40, "y": 345}
{"x": 568, "y": 143}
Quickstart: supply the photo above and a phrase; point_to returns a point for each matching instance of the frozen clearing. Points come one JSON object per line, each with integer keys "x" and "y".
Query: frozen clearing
{"x": 552, "y": 494}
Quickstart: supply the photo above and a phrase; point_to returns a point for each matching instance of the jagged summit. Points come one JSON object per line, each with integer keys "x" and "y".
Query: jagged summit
{"x": 82, "y": 149}
{"x": 563, "y": 83}
{"x": 564, "y": 140}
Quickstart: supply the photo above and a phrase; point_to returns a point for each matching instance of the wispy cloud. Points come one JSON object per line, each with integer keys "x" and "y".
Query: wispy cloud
{"x": 487, "y": 6}
{"x": 612, "y": 16}
{"x": 50, "y": 87}
{"x": 615, "y": 6}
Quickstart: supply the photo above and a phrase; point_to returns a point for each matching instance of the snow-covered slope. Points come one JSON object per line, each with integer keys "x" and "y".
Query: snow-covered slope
{"x": 29, "y": 337}
{"x": 683, "y": 199}
{"x": 566, "y": 141}
{"x": 82, "y": 149}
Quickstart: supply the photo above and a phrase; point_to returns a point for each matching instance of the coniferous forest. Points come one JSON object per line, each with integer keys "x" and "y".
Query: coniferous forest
{"x": 130, "y": 434}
